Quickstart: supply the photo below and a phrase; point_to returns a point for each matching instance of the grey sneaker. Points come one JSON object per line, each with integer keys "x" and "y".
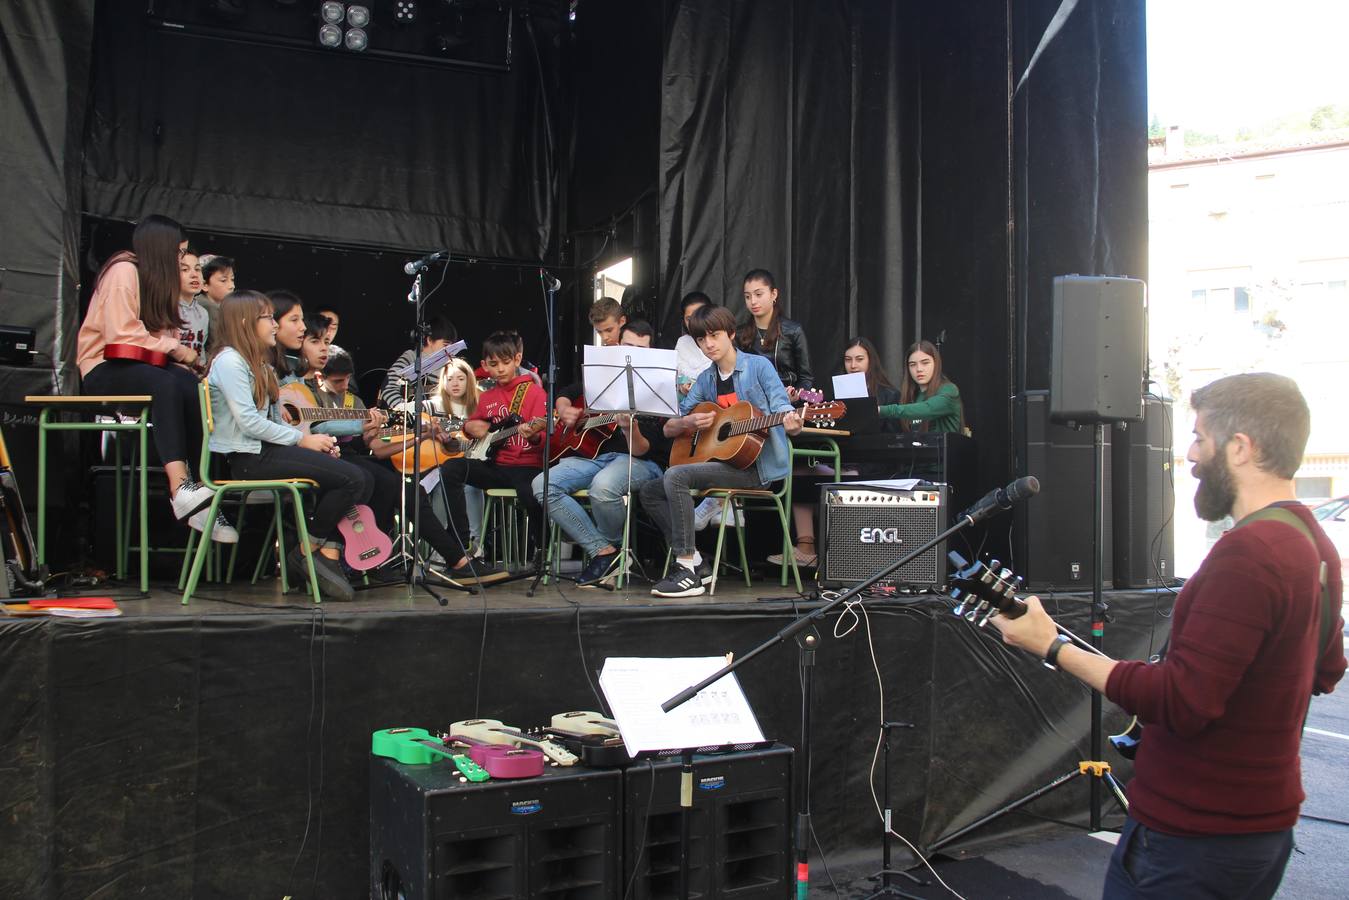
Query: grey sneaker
{"x": 333, "y": 582}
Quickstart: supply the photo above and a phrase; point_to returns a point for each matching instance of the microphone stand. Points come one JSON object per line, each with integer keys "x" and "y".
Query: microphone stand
{"x": 541, "y": 551}
{"x": 807, "y": 637}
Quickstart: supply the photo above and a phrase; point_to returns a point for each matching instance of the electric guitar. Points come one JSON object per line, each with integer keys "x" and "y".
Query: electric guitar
{"x": 500, "y": 760}
{"x": 983, "y": 591}
{"x": 416, "y": 747}
{"x": 366, "y": 546}
{"x": 737, "y": 435}
{"x": 487, "y": 446}
{"x": 298, "y": 402}
{"x": 494, "y": 731}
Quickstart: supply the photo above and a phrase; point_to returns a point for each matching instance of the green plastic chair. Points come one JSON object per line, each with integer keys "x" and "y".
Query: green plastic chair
{"x": 220, "y": 489}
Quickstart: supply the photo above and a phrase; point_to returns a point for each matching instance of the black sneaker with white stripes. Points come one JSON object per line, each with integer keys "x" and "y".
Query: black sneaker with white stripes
{"x": 680, "y": 582}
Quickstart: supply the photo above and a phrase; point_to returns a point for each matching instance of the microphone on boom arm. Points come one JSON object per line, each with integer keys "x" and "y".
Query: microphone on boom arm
{"x": 1002, "y": 499}
{"x": 413, "y": 266}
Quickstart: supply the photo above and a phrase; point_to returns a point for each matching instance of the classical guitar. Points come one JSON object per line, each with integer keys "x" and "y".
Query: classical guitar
{"x": 500, "y": 760}
{"x": 737, "y": 436}
{"x": 366, "y": 546}
{"x": 429, "y": 452}
{"x": 416, "y": 747}
{"x": 298, "y": 402}
{"x": 494, "y": 731}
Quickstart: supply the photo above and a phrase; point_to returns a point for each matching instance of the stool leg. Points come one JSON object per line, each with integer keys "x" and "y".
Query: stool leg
{"x": 303, "y": 529}
{"x": 119, "y": 527}
{"x": 42, "y": 489}
{"x": 721, "y": 539}
{"x": 145, "y": 495}
{"x": 738, "y": 513}
{"x": 203, "y": 550}
{"x": 796, "y": 570}
{"x": 234, "y": 551}
{"x": 187, "y": 558}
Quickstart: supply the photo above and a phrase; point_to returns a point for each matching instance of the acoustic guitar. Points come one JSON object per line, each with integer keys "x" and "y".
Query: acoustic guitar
{"x": 737, "y": 435}
{"x": 298, "y": 401}
{"x": 584, "y": 438}
{"x": 428, "y": 453}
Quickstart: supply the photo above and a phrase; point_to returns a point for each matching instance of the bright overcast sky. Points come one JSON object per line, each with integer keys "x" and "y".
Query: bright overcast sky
{"x": 1214, "y": 65}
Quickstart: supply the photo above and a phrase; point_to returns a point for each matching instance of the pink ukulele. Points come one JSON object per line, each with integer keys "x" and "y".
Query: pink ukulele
{"x": 366, "y": 546}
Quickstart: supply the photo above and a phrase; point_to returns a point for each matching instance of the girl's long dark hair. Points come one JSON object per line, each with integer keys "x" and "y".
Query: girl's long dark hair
{"x": 282, "y": 303}
{"x": 876, "y": 377}
{"x": 154, "y": 246}
{"x": 749, "y": 332}
{"x": 908, "y": 390}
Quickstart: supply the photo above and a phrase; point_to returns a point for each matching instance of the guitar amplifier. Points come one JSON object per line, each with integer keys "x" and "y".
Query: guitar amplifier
{"x": 865, "y": 528}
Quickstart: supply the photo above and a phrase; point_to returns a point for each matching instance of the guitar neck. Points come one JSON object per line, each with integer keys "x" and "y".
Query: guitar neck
{"x": 318, "y": 414}
{"x": 759, "y": 423}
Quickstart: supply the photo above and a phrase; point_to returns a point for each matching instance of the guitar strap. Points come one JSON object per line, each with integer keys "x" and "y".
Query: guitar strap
{"x": 518, "y": 399}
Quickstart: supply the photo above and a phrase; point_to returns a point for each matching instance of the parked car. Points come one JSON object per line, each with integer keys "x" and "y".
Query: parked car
{"x": 1334, "y": 518}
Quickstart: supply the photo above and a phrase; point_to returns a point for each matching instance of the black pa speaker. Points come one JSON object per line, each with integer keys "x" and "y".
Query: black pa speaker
{"x": 740, "y": 835}
{"x": 1052, "y": 532}
{"x": 1145, "y": 499}
{"x": 865, "y": 528}
{"x": 1099, "y": 349}
{"x": 433, "y": 837}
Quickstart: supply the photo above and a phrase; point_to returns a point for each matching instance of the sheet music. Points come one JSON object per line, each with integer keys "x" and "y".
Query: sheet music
{"x": 850, "y": 386}
{"x": 635, "y": 687}
{"x": 652, "y": 389}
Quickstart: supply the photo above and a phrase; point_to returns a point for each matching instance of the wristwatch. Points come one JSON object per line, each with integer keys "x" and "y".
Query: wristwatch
{"x": 1051, "y": 659}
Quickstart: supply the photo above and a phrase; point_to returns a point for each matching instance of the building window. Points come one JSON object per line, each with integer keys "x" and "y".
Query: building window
{"x": 1241, "y": 300}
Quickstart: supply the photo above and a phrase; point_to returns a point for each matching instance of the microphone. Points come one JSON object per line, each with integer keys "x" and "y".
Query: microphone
{"x": 413, "y": 266}
{"x": 1001, "y": 499}
{"x": 551, "y": 282}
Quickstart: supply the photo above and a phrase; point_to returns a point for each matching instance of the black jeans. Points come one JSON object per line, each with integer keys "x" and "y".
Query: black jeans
{"x": 385, "y": 503}
{"x": 458, "y": 472}
{"x": 175, "y": 411}
{"x": 1150, "y": 865}
{"x": 340, "y": 484}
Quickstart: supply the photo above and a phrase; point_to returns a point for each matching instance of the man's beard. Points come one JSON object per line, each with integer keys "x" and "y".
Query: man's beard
{"x": 1217, "y": 492}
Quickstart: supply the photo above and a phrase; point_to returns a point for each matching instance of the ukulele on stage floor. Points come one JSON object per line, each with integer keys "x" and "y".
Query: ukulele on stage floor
{"x": 366, "y": 547}
{"x": 738, "y": 434}
{"x": 416, "y": 747}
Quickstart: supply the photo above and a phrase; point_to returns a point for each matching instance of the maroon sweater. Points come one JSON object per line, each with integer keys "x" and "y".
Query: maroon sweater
{"x": 1224, "y": 711}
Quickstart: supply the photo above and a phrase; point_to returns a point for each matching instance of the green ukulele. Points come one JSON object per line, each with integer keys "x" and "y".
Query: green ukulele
{"x": 416, "y": 747}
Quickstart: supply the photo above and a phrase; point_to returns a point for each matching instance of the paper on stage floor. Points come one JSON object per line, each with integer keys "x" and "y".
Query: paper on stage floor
{"x": 719, "y": 715}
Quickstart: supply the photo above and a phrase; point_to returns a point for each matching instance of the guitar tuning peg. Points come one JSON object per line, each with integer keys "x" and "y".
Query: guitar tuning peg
{"x": 993, "y": 564}
{"x": 992, "y": 611}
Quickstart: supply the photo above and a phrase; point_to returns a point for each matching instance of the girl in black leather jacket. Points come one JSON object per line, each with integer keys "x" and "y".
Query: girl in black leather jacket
{"x": 768, "y": 334}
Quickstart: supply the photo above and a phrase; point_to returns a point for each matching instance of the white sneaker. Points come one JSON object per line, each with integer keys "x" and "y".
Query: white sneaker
{"x": 706, "y": 512}
{"x": 258, "y": 498}
{"x": 223, "y": 533}
{"x": 191, "y": 497}
{"x": 739, "y": 518}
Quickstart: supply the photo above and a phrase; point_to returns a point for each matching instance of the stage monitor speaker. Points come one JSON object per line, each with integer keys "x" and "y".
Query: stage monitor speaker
{"x": 1052, "y": 531}
{"x": 741, "y": 816}
{"x": 1099, "y": 349}
{"x": 433, "y": 837}
{"x": 863, "y": 529}
{"x": 1145, "y": 499}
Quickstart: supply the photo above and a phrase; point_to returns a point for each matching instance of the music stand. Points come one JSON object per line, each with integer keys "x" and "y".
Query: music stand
{"x": 632, "y": 381}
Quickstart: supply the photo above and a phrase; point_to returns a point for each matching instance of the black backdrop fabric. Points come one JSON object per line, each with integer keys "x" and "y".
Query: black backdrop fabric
{"x": 321, "y": 146}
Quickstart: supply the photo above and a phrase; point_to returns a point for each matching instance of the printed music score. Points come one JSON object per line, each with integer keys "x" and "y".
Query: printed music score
{"x": 719, "y": 716}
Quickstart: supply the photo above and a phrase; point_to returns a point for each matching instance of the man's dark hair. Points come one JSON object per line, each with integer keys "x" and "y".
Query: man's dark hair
{"x": 707, "y": 319}
{"x": 1267, "y": 408}
{"x": 641, "y": 328}
{"x": 315, "y": 325}
{"x": 692, "y": 298}
{"x": 215, "y": 264}
{"x": 440, "y": 328}
{"x": 339, "y": 364}
{"x": 502, "y": 345}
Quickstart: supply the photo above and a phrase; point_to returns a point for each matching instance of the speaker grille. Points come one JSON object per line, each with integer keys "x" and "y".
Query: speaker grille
{"x": 867, "y": 529}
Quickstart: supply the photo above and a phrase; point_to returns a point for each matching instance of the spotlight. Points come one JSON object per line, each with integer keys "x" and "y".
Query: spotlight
{"x": 330, "y": 36}
{"x": 332, "y": 12}
{"x": 357, "y": 39}
{"x": 358, "y": 16}
{"x": 404, "y": 12}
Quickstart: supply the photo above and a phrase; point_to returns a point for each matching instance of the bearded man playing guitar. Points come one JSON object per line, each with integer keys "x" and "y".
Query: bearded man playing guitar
{"x": 732, "y": 377}
{"x": 603, "y": 460}
{"x": 1256, "y": 631}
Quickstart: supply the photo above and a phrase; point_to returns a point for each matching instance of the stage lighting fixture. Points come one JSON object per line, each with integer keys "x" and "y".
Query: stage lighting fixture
{"x": 332, "y": 12}
{"x": 330, "y": 36}
{"x": 404, "y": 12}
{"x": 357, "y": 39}
{"x": 358, "y": 16}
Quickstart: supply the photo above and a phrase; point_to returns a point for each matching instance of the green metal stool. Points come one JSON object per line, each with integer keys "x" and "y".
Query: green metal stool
{"x": 826, "y": 449}
{"x": 505, "y": 501}
{"x": 555, "y": 541}
{"x": 139, "y": 404}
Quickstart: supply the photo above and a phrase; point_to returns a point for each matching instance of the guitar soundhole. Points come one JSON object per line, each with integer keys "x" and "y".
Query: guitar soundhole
{"x": 724, "y": 431}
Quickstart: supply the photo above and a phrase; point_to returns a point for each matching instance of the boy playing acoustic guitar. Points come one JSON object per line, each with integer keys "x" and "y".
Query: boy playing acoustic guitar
{"x": 732, "y": 377}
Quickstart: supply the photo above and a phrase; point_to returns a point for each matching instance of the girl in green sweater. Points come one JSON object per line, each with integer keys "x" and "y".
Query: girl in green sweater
{"x": 928, "y": 400}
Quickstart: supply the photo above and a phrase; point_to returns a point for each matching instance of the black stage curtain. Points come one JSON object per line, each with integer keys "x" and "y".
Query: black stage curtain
{"x": 190, "y": 755}
{"x": 262, "y": 140}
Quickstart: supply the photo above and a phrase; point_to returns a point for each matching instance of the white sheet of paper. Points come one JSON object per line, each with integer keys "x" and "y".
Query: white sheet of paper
{"x": 431, "y": 479}
{"x": 853, "y": 384}
{"x": 635, "y": 687}
{"x": 894, "y": 484}
{"x": 653, "y": 380}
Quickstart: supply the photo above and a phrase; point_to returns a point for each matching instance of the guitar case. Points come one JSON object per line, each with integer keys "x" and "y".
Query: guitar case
{"x": 22, "y": 576}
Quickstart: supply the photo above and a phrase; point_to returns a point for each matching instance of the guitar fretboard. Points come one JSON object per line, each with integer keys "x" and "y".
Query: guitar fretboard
{"x": 315, "y": 414}
{"x": 758, "y": 423}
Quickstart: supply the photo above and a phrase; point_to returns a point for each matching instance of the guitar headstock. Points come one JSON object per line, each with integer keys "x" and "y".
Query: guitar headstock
{"x": 983, "y": 591}
{"x": 810, "y": 395}
{"x": 824, "y": 415}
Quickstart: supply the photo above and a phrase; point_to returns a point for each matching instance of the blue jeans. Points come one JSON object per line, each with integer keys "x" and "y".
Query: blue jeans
{"x": 606, "y": 477}
{"x": 1148, "y": 864}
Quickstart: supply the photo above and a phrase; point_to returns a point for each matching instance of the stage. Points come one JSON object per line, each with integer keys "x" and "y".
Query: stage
{"x": 221, "y": 750}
